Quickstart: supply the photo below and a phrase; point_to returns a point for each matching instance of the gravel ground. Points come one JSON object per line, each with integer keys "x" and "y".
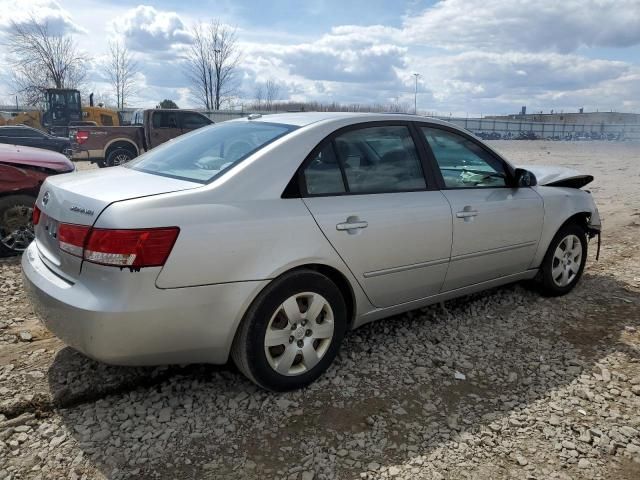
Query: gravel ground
{"x": 503, "y": 384}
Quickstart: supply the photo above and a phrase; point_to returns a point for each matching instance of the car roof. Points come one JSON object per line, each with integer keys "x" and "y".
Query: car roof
{"x": 301, "y": 119}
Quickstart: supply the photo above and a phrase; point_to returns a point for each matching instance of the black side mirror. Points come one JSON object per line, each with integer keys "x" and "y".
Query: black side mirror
{"x": 524, "y": 178}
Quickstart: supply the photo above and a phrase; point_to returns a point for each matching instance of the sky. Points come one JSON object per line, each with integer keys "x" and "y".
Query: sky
{"x": 473, "y": 56}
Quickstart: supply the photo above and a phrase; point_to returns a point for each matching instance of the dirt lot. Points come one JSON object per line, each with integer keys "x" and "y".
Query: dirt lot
{"x": 550, "y": 388}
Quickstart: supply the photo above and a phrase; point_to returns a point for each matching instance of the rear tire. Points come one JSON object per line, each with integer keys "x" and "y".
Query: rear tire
{"x": 292, "y": 331}
{"x": 119, "y": 156}
{"x": 564, "y": 261}
{"x": 16, "y": 229}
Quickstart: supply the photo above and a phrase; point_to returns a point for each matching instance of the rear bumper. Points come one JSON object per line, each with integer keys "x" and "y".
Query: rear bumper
{"x": 120, "y": 317}
{"x": 79, "y": 155}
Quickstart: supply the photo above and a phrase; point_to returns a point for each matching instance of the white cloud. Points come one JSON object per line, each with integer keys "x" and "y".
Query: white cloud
{"x": 57, "y": 18}
{"x": 474, "y": 55}
{"x": 478, "y": 81}
{"x": 527, "y": 25}
{"x": 349, "y": 64}
{"x": 146, "y": 29}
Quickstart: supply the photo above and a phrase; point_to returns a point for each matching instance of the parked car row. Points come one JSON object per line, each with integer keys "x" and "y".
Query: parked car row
{"x": 32, "y": 137}
{"x": 22, "y": 172}
{"x": 529, "y": 135}
{"x": 27, "y": 158}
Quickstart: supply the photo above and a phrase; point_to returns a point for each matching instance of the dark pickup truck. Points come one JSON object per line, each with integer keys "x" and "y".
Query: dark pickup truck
{"x": 109, "y": 146}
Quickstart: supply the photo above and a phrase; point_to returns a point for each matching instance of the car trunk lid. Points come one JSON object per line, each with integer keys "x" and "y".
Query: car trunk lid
{"x": 79, "y": 199}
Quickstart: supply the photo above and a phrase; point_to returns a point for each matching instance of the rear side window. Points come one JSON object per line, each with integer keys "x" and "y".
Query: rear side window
{"x": 191, "y": 120}
{"x": 205, "y": 153}
{"x": 7, "y": 132}
{"x": 165, "y": 120}
{"x": 372, "y": 160}
{"x": 27, "y": 132}
{"x": 323, "y": 175}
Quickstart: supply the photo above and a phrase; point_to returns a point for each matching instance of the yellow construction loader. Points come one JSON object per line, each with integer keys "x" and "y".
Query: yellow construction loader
{"x": 63, "y": 108}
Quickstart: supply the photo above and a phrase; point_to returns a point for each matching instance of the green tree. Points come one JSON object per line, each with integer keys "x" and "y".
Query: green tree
{"x": 166, "y": 103}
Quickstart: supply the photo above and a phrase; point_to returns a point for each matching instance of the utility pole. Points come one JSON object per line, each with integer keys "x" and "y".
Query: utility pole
{"x": 415, "y": 95}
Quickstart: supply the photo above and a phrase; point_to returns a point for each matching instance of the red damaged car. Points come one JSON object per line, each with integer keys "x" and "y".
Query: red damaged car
{"x": 22, "y": 171}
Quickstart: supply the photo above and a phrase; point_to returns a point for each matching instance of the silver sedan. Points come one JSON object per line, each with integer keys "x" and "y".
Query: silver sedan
{"x": 268, "y": 238}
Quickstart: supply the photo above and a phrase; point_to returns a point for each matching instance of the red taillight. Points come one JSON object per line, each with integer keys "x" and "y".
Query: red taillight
{"x": 71, "y": 238}
{"x": 122, "y": 248}
{"x": 82, "y": 136}
{"x": 130, "y": 248}
{"x": 35, "y": 215}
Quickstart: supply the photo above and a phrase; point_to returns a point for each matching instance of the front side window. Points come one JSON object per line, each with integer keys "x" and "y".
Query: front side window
{"x": 205, "y": 153}
{"x": 463, "y": 163}
{"x": 372, "y": 160}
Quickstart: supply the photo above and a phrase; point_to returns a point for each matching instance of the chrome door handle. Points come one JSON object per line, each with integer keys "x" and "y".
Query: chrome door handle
{"x": 467, "y": 214}
{"x": 352, "y": 223}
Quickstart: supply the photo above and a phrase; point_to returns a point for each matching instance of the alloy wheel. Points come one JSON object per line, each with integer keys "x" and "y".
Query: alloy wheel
{"x": 566, "y": 260}
{"x": 120, "y": 159}
{"x": 16, "y": 229}
{"x": 299, "y": 334}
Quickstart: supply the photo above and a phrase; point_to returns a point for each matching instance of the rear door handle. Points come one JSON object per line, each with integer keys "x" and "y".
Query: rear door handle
{"x": 352, "y": 224}
{"x": 467, "y": 214}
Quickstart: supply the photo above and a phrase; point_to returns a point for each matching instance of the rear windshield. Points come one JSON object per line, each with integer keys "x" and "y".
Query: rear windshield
{"x": 202, "y": 155}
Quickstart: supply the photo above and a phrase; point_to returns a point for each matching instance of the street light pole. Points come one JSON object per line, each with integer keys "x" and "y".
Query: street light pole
{"x": 415, "y": 95}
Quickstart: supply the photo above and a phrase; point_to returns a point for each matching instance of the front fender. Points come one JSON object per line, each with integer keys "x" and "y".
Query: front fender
{"x": 560, "y": 204}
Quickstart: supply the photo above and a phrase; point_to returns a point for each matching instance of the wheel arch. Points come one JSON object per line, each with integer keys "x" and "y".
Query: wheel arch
{"x": 120, "y": 143}
{"x": 341, "y": 281}
{"x": 332, "y": 273}
{"x": 580, "y": 218}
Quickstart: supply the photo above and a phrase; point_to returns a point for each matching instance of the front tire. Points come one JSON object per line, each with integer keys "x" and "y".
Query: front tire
{"x": 292, "y": 331}
{"x": 564, "y": 262}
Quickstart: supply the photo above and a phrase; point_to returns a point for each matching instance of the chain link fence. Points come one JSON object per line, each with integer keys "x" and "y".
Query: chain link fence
{"x": 528, "y": 130}
{"x": 506, "y": 129}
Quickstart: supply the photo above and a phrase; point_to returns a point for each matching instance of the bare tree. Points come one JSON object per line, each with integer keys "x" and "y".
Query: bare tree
{"x": 122, "y": 71}
{"x": 212, "y": 62}
{"x": 258, "y": 96}
{"x": 198, "y": 66}
{"x": 272, "y": 90}
{"x": 42, "y": 59}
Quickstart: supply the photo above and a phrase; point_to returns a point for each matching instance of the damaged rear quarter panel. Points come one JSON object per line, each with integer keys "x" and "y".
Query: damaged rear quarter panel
{"x": 16, "y": 180}
{"x": 560, "y": 204}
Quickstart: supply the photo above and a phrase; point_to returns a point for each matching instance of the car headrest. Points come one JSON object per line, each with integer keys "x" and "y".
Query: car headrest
{"x": 395, "y": 156}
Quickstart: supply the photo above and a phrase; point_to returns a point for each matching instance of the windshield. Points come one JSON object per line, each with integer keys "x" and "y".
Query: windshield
{"x": 202, "y": 155}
